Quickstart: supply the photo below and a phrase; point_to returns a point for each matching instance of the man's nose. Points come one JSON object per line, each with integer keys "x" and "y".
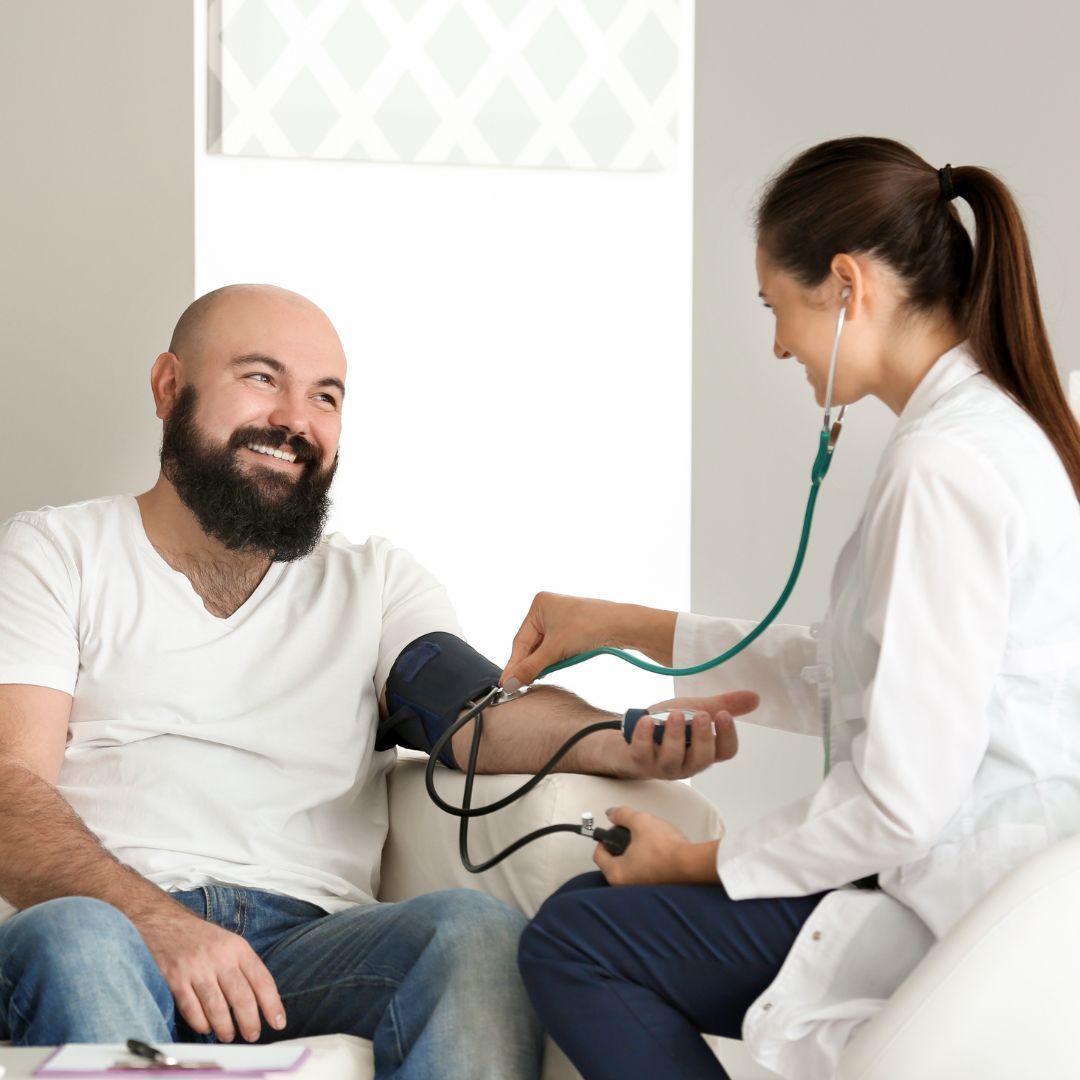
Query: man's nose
{"x": 779, "y": 351}
{"x": 291, "y": 415}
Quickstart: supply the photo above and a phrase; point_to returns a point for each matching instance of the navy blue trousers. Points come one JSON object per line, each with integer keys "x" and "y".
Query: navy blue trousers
{"x": 625, "y": 979}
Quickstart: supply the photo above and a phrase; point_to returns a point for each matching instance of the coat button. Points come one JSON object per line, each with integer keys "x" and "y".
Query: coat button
{"x": 767, "y": 1006}
{"x": 816, "y": 935}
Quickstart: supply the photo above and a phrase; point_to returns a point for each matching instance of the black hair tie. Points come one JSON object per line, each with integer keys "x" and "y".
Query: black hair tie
{"x": 945, "y": 180}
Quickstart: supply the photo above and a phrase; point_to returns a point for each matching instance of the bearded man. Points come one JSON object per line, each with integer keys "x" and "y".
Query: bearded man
{"x": 192, "y": 807}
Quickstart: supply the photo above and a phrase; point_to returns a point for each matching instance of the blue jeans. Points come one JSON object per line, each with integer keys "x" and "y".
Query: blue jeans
{"x": 625, "y": 978}
{"x": 431, "y": 981}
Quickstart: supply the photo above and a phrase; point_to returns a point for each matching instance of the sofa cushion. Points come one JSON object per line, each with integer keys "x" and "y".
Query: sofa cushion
{"x": 421, "y": 852}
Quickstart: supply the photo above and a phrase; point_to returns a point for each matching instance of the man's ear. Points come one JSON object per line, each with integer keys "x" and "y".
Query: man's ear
{"x": 165, "y": 383}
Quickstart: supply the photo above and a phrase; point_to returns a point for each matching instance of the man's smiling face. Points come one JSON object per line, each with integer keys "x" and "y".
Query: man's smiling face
{"x": 251, "y": 434}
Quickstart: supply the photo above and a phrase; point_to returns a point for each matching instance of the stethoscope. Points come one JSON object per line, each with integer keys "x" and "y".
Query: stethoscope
{"x": 617, "y": 838}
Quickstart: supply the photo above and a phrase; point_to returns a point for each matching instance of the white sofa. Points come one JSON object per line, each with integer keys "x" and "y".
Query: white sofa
{"x": 995, "y": 999}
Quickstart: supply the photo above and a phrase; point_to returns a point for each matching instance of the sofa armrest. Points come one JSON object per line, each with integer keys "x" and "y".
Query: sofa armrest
{"x": 421, "y": 853}
{"x": 996, "y": 997}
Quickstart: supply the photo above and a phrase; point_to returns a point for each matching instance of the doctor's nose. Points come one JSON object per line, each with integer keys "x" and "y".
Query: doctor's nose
{"x": 779, "y": 351}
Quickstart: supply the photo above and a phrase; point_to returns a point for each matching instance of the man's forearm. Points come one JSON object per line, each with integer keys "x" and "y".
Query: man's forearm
{"x": 47, "y": 852}
{"x": 522, "y": 735}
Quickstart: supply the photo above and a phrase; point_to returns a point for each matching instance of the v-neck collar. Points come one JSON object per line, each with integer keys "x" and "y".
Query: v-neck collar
{"x": 267, "y": 582}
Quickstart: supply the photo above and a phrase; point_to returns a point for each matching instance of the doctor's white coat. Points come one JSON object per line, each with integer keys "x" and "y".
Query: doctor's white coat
{"x": 945, "y": 680}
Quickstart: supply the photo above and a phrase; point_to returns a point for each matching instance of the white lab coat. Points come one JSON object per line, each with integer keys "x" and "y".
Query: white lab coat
{"x": 946, "y": 681}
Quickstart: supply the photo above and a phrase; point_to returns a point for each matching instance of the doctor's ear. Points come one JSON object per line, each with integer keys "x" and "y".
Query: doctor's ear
{"x": 847, "y": 276}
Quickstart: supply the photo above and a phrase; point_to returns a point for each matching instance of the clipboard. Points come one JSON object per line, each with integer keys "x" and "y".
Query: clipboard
{"x": 229, "y": 1059}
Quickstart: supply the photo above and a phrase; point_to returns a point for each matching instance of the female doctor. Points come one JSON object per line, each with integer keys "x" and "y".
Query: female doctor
{"x": 945, "y": 677}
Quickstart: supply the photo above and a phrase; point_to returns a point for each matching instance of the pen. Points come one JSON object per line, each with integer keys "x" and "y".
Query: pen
{"x": 151, "y": 1053}
{"x": 157, "y": 1059}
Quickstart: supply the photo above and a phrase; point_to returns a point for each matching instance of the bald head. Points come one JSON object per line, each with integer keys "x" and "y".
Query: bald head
{"x": 259, "y": 359}
{"x": 194, "y": 329}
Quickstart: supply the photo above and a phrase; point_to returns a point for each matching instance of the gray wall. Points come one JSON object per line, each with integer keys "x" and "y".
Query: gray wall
{"x": 97, "y": 226}
{"x": 971, "y": 82}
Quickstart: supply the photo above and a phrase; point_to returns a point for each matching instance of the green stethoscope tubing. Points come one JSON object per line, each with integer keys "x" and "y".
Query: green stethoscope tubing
{"x": 826, "y": 444}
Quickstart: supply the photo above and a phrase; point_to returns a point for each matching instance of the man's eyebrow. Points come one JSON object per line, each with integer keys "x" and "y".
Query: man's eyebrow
{"x": 257, "y": 358}
{"x": 332, "y": 382}
{"x": 276, "y": 365}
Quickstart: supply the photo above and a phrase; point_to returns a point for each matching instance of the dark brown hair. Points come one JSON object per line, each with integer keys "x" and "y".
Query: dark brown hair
{"x": 877, "y": 197}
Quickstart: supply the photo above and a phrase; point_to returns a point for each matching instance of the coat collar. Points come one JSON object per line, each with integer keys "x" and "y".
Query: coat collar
{"x": 949, "y": 370}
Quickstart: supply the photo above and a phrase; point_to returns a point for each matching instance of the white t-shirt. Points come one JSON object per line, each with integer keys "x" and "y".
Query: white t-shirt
{"x": 236, "y": 750}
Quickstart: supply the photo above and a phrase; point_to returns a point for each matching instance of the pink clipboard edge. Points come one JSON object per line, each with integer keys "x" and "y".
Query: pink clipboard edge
{"x": 40, "y": 1070}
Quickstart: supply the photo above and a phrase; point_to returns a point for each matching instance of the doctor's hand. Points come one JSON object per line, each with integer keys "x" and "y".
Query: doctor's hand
{"x": 218, "y": 982}
{"x": 558, "y": 626}
{"x": 713, "y": 736}
{"x": 658, "y": 853}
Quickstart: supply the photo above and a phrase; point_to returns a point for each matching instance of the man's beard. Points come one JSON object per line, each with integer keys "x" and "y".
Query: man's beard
{"x": 270, "y": 514}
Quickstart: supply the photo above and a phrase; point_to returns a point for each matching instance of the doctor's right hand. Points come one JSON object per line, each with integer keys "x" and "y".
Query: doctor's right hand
{"x": 559, "y": 626}
{"x": 215, "y": 976}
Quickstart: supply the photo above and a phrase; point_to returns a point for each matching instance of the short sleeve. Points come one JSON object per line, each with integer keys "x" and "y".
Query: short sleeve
{"x": 414, "y": 603}
{"x": 39, "y": 637}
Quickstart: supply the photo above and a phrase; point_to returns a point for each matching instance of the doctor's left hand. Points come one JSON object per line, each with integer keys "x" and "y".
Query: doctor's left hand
{"x": 658, "y": 853}
{"x": 672, "y": 759}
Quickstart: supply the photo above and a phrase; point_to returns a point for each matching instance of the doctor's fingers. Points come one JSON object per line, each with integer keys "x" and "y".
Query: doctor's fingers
{"x": 529, "y": 656}
{"x": 557, "y": 627}
{"x": 527, "y": 640}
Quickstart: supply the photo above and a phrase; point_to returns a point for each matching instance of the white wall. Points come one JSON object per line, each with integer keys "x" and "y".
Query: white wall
{"x": 971, "y": 82}
{"x": 519, "y": 344}
{"x": 96, "y": 216}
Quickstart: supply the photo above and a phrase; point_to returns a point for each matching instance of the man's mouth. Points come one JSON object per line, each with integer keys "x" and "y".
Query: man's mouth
{"x": 269, "y": 451}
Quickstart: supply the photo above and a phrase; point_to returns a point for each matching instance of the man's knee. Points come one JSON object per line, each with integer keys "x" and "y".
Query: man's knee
{"x": 472, "y": 929}
{"x": 467, "y": 915}
{"x": 69, "y": 935}
{"x": 76, "y": 970}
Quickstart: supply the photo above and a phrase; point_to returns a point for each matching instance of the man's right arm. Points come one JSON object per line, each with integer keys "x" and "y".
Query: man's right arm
{"x": 48, "y": 852}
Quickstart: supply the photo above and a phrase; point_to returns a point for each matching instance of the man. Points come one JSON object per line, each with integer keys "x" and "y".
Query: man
{"x": 191, "y": 806}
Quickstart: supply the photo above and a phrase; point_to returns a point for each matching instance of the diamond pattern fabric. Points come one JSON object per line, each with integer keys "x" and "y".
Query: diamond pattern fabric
{"x": 458, "y": 49}
{"x": 356, "y": 45}
{"x": 569, "y": 84}
{"x": 555, "y": 54}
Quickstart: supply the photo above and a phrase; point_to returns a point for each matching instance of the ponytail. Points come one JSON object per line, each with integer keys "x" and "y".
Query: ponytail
{"x": 1003, "y": 317}
{"x": 878, "y": 197}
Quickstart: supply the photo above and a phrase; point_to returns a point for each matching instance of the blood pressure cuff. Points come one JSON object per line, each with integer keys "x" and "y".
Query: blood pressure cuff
{"x": 431, "y": 682}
